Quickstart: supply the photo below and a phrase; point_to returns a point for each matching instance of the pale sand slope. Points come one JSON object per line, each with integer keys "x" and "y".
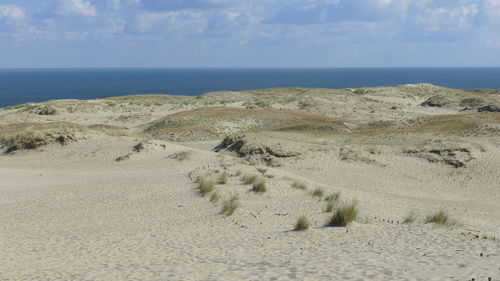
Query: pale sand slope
{"x": 74, "y": 213}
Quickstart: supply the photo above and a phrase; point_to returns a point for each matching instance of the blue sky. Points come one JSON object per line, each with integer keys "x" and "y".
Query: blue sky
{"x": 249, "y": 33}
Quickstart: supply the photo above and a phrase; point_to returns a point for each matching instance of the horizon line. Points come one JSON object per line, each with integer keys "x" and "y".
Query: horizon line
{"x": 239, "y": 67}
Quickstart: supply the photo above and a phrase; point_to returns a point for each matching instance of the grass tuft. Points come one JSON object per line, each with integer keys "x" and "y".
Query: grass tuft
{"x": 332, "y": 200}
{"x": 440, "y": 217}
{"x": 259, "y": 186}
{"x": 262, "y": 170}
{"x": 302, "y": 224}
{"x": 318, "y": 192}
{"x": 411, "y": 217}
{"x": 299, "y": 185}
{"x": 205, "y": 186}
{"x": 330, "y": 206}
{"x": 222, "y": 178}
{"x": 334, "y": 197}
{"x": 345, "y": 214}
{"x": 249, "y": 178}
{"x": 230, "y": 205}
{"x": 215, "y": 197}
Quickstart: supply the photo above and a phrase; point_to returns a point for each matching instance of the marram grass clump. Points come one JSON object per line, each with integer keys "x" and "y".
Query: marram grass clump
{"x": 318, "y": 192}
{"x": 299, "y": 185}
{"x": 302, "y": 224}
{"x": 440, "y": 217}
{"x": 259, "y": 186}
{"x": 334, "y": 197}
{"x": 411, "y": 217}
{"x": 230, "y": 205}
{"x": 222, "y": 178}
{"x": 249, "y": 178}
{"x": 205, "y": 186}
{"x": 332, "y": 200}
{"x": 215, "y": 197}
{"x": 346, "y": 213}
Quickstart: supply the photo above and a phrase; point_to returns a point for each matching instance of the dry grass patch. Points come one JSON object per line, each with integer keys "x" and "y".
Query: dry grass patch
{"x": 411, "y": 217}
{"x": 215, "y": 197}
{"x": 346, "y": 213}
{"x": 222, "y": 178}
{"x": 181, "y": 156}
{"x": 259, "y": 186}
{"x": 440, "y": 217}
{"x": 302, "y": 224}
{"x": 334, "y": 197}
{"x": 249, "y": 178}
{"x": 299, "y": 185}
{"x": 318, "y": 192}
{"x": 230, "y": 205}
{"x": 205, "y": 184}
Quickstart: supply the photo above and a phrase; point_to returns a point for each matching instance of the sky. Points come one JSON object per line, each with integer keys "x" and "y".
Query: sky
{"x": 249, "y": 33}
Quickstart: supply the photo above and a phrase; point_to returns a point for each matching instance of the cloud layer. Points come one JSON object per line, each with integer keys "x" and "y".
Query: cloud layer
{"x": 257, "y": 32}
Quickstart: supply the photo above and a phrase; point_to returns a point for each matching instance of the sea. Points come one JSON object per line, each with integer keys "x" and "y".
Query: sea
{"x": 18, "y": 86}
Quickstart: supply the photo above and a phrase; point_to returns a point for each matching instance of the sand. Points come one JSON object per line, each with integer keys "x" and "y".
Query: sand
{"x": 72, "y": 212}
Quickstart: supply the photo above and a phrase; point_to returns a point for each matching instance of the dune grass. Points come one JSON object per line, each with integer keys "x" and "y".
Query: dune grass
{"x": 302, "y": 224}
{"x": 346, "y": 213}
{"x": 332, "y": 200}
{"x": 222, "y": 178}
{"x": 318, "y": 192}
{"x": 259, "y": 186}
{"x": 230, "y": 205}
{"x": 205, "y": 184}
{"x": 249, "y": 178}
{"x": 411, "y": 217}
{"x": 330, "y": 205}
{"x": 261, "y": 170}
{"x": 299, "y": 185}
{"x": 440, "y": 217}
{"x": 333, "y": 197}
{"x": 215, "y": 197}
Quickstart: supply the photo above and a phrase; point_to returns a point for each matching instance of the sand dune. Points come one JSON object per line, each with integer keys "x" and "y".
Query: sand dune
{"x": 119, "y": 200}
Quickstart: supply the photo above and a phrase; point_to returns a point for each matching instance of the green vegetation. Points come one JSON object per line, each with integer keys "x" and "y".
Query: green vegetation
{"x": 344, "y": 215}
{"x": 222, "y": 178}
{"x": 411, "y": 217}
{"x": 299, "y": 185}
{"x": 259, "y": 186}
{"x": 318, "y": 192}
{"x": 334, "y": 197}
{"x": 302, "y": 224}
{"x": 230, "y": 205}
{"x": 440, "y": 217}
{"x": 215, "y": 197}
{"x": 249, "y": 178}
{"x": 329, "y": 206}
{"x": 205, "y": 184}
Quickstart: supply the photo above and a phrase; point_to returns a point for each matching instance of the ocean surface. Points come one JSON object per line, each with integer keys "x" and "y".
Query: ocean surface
{"x": 34, "y": 85}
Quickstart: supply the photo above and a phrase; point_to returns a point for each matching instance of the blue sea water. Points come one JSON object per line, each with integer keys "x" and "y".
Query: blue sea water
{"x": 35, "y": 85}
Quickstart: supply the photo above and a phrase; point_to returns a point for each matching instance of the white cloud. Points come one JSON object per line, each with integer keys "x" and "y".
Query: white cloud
{"x": 443, "y": 18}
{"x": 493, "y": 9}
{"x": 11, "y": 12}
{"x": 75, "y": 8}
